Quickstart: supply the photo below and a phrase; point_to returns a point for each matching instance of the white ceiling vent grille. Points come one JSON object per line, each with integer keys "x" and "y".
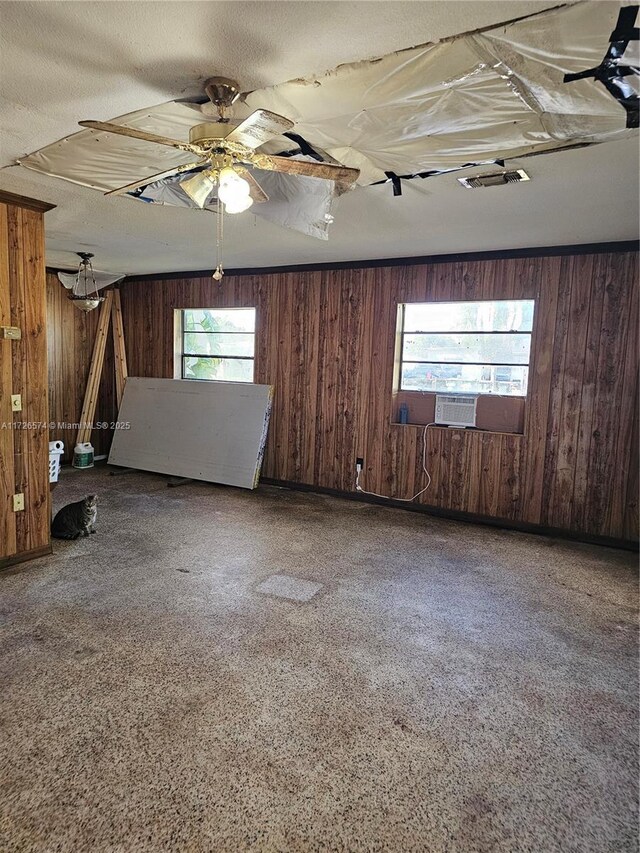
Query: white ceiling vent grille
{"x": 456, "y": 410}
{"x": 497, "y": 179}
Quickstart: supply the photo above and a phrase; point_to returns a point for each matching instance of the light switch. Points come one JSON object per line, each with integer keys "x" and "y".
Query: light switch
{"x": 11, "y": 333}
{"x": 18, "y": 502}
{"x": 16, "y": 402}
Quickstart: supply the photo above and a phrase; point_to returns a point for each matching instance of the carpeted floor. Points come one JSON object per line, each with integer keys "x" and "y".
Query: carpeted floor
{"x": 434, "y": 686}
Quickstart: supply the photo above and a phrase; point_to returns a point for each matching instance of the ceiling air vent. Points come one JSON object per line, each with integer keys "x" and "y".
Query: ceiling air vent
{"x": 497, "y": 179}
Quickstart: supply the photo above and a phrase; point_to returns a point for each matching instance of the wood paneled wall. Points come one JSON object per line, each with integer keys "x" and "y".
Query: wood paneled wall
{"x": 71, "y": 336}
{"x": 326, "y": 341}
{"x": 24, "y": 440}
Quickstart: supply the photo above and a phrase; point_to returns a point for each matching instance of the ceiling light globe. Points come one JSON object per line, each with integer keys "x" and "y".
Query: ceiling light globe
{"x": 233, "y": 189}
{"x": 228, "y": 175}
{"x": 233, "y": 193}
{"x": 238, "y": 205}
{"x": 86, "y": 304}
{"x": 230, "y": 178}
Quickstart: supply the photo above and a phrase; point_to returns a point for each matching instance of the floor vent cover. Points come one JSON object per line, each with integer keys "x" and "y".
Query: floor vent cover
{"x": 285, "y": 586}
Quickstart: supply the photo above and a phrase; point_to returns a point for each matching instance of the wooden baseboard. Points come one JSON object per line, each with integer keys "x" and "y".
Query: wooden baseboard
{"x": 457, "y": 515}
{"x": 16, "y": 559}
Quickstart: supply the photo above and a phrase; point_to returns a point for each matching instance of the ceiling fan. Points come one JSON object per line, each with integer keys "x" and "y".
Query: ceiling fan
{"x": 223, "y": 150}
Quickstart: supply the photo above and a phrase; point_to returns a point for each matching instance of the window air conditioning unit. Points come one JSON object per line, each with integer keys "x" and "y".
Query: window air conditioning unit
{"x": 456, "y": 410}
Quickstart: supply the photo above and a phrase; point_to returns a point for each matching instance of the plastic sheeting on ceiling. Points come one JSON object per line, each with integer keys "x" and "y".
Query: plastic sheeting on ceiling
{"x": 552, "y": 80}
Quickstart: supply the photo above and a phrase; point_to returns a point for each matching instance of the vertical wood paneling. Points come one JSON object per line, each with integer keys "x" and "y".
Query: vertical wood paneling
{"x": 377, "y": 452}
{"x": 283, "y": 398}
{"x": 631, "y": 520}
{"x": 544, "y": 283}
{"x": 311, "y": 313}
{"x": 626, "y": 407}
{"x": 18, "y": 362}
{"x": 71, "y": 336}
{"x": 266, "y": 333}
{"x": 326, "y": 341}
{"x": 326, "y": 447}
{"x": 7, "y": 473}
{"x": 567, "y": 408}
{"x": 24, "y": 443}
{"x": 32, "y": 528}
{"x": 580, "y": 495}
{"x": 610, "y": 406}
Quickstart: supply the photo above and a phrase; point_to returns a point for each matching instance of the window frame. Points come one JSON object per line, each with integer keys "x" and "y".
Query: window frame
{"x": 180, "y": 354}
{"x": 412, "y": 361}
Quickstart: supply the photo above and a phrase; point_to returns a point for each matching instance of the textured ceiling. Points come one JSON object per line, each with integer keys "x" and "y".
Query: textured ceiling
{"x": 61, "y": 62}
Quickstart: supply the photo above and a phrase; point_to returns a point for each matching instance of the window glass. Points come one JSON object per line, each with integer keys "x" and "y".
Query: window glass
{"x": 506, "y": 315}
{"x": 478, "y": 347}
{"x": 218, "y": 344}
{"x": 485, "y": 348}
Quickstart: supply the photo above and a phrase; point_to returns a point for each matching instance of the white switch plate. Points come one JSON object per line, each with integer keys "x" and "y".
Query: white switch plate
{"x": 18, "y": 502}
{"x": 16, "y": 402}
{"x": 12, "y": 333}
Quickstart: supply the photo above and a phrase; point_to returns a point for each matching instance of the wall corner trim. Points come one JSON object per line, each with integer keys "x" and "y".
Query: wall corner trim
{"x": 24, "y": 201}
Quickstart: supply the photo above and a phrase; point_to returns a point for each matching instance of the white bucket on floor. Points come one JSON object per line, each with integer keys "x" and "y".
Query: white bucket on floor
{"x": 56, "y": 449}
{"x": 83, "y": 455}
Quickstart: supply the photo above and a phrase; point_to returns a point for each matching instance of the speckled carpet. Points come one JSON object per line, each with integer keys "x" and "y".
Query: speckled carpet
{"x": 435, "y": 686}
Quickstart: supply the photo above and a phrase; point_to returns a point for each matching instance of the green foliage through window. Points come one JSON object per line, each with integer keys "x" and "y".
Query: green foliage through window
{"x": 218, "y": 344}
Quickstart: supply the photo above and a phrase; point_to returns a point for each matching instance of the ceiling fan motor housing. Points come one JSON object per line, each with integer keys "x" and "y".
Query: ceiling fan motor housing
{"x": 209, "y": 131}
{"x": 222, "y": 91}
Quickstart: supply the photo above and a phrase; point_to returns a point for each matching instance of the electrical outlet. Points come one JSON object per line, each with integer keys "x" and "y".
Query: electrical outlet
{"x": 16, "y": 402}
{"x": 18, "y": 502}
{"x": 360, "y": 462}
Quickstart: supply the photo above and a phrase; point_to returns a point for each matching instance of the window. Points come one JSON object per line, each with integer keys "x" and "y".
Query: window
{"x": 218, "y": 344}
{"x": 471, "y": 347}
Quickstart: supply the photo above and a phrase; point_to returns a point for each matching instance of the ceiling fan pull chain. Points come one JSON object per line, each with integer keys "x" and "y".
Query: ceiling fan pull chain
{"x": 219, "y": 271}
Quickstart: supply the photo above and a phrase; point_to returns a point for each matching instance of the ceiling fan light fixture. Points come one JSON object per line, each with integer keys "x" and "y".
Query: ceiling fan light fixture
{"x": 84, "y": 293}
{"x": 221, "y": 150}
{"x": 234, "y": 191}
{"x": 238, "y": 205}
{"x": 199, "y": 188}
{"x": 86, "y": 304}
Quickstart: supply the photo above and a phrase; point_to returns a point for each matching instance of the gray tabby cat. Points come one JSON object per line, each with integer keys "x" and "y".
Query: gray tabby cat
{"x": 76, "y": 519}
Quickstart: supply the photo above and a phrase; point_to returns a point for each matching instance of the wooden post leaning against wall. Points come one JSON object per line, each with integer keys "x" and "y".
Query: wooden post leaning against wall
{"x": 24, "y": 436}
{"x": 119, "y": 352}
{"x": 95, "y": 371}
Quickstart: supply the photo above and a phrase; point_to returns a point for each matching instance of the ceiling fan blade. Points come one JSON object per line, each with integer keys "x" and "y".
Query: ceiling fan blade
{"x": 258, "y": 128}
{"x": 108, "y": 127}
{"x": 199, "y": 188}
{"x": 255, "y": 190}
{"x": 342, "y": 175}
{"x": 153, "y": 178}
